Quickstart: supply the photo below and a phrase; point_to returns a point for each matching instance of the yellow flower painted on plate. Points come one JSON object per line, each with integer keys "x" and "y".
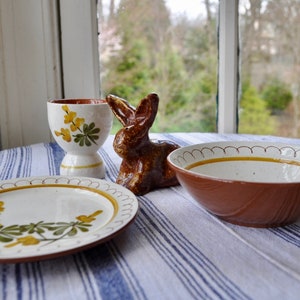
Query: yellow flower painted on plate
{"x": 1, "y": 206}
{"x": 76, "y": 124}
{"x": 89, "y": 218}
{"x": 28, "y": 240}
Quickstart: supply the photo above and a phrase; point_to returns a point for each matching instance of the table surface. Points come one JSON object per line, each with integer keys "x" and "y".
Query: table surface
{"x": 173, "y": 250}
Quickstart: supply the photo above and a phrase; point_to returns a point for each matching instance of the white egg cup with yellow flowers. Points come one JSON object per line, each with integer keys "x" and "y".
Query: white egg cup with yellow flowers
{"x": 80, "y": 127}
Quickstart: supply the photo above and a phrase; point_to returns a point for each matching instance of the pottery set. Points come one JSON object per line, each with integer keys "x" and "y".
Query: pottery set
{"x": 81, "y": 126}
{"x": 245, "y": 183}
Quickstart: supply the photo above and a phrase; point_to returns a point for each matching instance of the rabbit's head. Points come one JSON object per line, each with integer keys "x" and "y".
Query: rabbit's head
{"x": 136, "y": 123}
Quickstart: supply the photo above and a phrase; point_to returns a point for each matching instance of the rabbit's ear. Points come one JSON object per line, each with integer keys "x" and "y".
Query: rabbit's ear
{"x": 147, "y": 109}
{"x": 124, "y": 112}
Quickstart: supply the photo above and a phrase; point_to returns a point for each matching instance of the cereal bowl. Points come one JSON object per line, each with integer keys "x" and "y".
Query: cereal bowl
{"x": 253, "y": 184}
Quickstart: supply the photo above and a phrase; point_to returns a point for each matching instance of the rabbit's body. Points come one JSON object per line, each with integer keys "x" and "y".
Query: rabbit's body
{"x": 140, "y": 173}
{"x": 144, "y": 166}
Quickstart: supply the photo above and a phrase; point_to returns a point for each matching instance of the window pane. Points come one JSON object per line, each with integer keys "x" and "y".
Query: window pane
{"x": 167, "y": 47}
{"x": 270, "y": 34}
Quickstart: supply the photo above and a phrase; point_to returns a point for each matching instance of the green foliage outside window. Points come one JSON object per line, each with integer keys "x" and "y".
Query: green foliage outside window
{"x": 277, "y": 95}
{"x": 178, "y": 59}
{"x": 166, "y": 57}
{"x": 255, "y": 118}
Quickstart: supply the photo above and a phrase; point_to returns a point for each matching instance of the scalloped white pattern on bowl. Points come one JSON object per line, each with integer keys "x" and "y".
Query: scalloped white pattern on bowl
{"x": 254, "y": 162}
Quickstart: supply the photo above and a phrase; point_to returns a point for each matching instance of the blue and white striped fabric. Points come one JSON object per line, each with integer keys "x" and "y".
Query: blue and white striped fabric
{"x": 174, "y": 249}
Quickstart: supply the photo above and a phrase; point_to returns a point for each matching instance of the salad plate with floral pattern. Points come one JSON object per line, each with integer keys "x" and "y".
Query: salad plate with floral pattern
{"x": 52, "y": 216}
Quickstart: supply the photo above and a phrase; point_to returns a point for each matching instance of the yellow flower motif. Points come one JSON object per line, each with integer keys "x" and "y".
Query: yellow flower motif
{"x": 69, "y": 117}
{"x": 57, "y": 133}
{"x": 89, "y": 218}
{"x": 76, "y": 124}
{"x": 1, "y": 206}
{"x": 66, "y": 134}
{"x": 65, "y": 108}
{"x": 28, "y": 240}
{"x": 87, "y": 134}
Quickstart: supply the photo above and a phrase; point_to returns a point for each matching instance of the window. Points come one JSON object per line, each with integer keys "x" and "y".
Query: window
{"x": 256, "y": 77}
{"x": 187, "y": 51}
{"x": 163, "y": 47}
{"x": 270, "y": 65}
{"x": 48, "y": 50}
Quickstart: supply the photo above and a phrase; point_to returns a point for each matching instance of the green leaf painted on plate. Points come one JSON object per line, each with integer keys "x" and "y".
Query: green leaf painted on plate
{"x": 34, "y": 233}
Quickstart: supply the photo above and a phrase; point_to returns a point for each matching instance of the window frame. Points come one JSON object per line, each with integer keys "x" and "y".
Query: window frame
{"x": 228, "y": 75}
{"x": 75, "y": 71}
{"x": 79, "y": 48}
{"x": 49, "y": 49}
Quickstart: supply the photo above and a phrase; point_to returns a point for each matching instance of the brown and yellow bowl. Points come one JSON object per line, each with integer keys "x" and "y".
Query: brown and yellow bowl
{"x": 253, "y": 184}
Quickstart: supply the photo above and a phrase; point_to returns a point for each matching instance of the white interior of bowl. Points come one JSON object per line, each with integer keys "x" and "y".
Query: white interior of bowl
{"x": 242, "y": 161}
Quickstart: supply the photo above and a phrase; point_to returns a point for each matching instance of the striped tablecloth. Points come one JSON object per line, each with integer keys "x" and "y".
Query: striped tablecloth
{"x": 173, "y": 250}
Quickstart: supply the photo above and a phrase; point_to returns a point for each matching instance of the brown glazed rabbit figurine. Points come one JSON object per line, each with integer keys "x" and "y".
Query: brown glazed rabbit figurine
{"x": 144, "y": 166}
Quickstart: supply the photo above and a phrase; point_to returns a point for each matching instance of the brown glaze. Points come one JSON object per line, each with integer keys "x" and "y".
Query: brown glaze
{"x": 144, "y": 166}
{"x": 243, "y": 203}
{"x": 78, "y": 101}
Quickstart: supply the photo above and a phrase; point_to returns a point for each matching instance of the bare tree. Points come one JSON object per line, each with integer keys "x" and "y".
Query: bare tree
{"x": 284, "y": 15}
{"x": 251, "y": 34}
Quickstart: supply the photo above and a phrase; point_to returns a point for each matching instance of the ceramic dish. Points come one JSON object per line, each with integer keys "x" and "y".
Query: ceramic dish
{"x": 46, "y": 217}
{"x": 247, "y": 183}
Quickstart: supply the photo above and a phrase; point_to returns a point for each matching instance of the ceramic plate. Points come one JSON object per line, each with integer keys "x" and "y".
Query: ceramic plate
{"x": 46, "y": 217}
